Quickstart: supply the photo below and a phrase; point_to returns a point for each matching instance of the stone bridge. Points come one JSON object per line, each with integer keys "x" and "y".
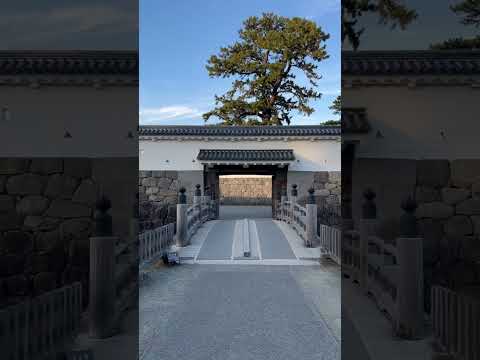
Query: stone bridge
{"x": 248, "y": 286}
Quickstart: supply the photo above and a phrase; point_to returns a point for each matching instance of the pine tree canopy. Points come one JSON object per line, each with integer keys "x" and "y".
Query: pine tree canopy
{"x": 271, "y": 51}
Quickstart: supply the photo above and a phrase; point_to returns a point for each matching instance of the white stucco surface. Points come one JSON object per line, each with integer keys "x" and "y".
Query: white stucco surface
{"x": 98, "y": 121}
{"x": 320, "y": 155}
{"x": 412, "y": 121}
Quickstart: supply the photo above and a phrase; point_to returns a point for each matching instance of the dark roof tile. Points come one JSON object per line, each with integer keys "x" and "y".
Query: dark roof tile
{"x": 246, "y": 155}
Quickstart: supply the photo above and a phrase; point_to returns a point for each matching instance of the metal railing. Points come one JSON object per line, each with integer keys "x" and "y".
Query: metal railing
{"x": 41, "y": 327}
{"x": 152, "y": 243}
{"x": 455, "y": 323}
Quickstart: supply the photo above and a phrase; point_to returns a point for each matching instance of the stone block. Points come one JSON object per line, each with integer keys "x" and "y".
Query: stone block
{"x": 46, "y": 166}
{"x": 434, "y": 173}
{"x": 67, "y": 209}
{"x": 320, "y": 177}
{"x": 151, "y": 190}
{"x": 158, "y": 173}
{"x": 3, "y": 180}
{"x": 61, "y": 186}
{"x": 32, "y": 205}
{"x": 43, "y": 282}
{"x": 148, "y": 182}
{"x": 16, "y": 285}
{"x": 40, "y": 223}
{"x": 322, "y": 192}
{"x": 86, "y": 193}
{"x": 144, "y": 174}
{"x": 476, "y": 190}
{"x": 468, "y": 207}
{"x": 11, "y": 264}
{"x": 470, "y": 248}
{"x": 7, "y": 203}
{"x": 458, "y": 225}
{"x": 174, "y": 186}
{"x": 426, "y": 194}
{"x": 335, "y": 177}
{"x": 453, "y": 196}
{"x": 26, "y": 184}
{"x": 78, "y": 167}
{"x": 330, "y": 186}
{"x": 76, "y": 229}
{"x": 465, "y": 172}
{"x": 10, "y": 221}
{"x": 17, "y": 242}
{"x": 47, "y": 240}
{"x": 164, "y": 183}
{"x": 171, "y": 174}
{"x": 434, "y": 210}
{"x": 13, "y": 166}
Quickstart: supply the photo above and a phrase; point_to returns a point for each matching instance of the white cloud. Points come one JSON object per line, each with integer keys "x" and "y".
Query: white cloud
{"x": 164, "y": 113}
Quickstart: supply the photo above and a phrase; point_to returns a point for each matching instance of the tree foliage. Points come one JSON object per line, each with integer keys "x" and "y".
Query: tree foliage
{"x": 469, "y": 10}
{"x": 271, "y": 51}
{"x": 336, "y": 106}
{"x": 331, "y": 123}
{"x": 391, "y": 12}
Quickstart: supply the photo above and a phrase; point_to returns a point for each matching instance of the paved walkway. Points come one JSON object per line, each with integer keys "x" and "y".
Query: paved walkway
{"x": 217, "y": 312}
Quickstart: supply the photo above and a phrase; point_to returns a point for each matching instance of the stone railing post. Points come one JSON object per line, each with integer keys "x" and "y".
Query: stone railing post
{"x": 209, "y": 204}
{"x": 197, "y": 202}
{"x": 410, "y": 295}
{"x": 182, "y": 221}
{"x": 293, "y": 201}
{"x": 368, "y": 225}
{"x": 311, "y": 219}
{"x": 102, "y": 273}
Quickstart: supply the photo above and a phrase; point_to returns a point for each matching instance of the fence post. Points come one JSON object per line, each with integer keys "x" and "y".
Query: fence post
{"x": 197, "y": 202}
{"x": 410, "y": 280}
{"x": 293, "y": 201}
{"x": 311, "y": 219}
{"x": 182, "y": 223}
{"x": 368, "y": 225}
{"x": 102, "y": 273}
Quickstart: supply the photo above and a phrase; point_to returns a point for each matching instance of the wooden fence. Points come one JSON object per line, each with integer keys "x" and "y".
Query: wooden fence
{"x": 330, "y": 239}
{"x": 152, "y": 243}
{"x": 40, "y": 328}
{"x": 456, "y": 323}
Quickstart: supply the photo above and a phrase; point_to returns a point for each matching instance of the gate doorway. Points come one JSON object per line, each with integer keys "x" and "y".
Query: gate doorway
{"x": 275, "y": 175}
{"x": 245, "y": 196}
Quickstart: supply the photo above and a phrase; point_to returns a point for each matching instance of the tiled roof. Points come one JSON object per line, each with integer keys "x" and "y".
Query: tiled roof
{"x": 212, "y": 130}
{"x": 68, "y": 62}
{"x": 354, "y": 120}
{"x": 246, "y": 155}
{"x": 422, "y": 62}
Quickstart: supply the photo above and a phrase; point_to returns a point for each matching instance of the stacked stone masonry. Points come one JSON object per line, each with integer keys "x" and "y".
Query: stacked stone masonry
{"x": 158, "y": 192}
{"x": 246, "y": 190}
{"x": 46, "y": 210}
{"x": 448, "y": 194}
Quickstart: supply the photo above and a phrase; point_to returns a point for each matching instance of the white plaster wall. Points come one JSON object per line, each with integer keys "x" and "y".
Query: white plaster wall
{"x": 411, "y": 121}
{"x": 322, "y": 155}
{"x": 98, "y": 120}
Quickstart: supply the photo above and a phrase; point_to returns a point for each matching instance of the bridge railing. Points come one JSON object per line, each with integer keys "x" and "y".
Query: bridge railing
{"x": 190, "y": 218}
{"x": 301, "y": 219}
{"x": 389, "y": 271}
{"x": 41, "y": 327}
{"x": 454, "y": 319}
{"x": 330, "y": 240}
{"x": 153, "y": 243}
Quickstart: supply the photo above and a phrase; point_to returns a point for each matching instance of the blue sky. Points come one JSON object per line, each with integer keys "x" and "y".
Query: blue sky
{"x": 178, "y": 37}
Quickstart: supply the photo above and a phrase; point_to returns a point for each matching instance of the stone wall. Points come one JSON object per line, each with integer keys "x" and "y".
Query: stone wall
{"x": 46, "y": 212}
{"x": 325, "y": 183}
{"x": 246, "y": 190}
{"x": 448, "y": 213}
{"x": 158, "y": 192}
